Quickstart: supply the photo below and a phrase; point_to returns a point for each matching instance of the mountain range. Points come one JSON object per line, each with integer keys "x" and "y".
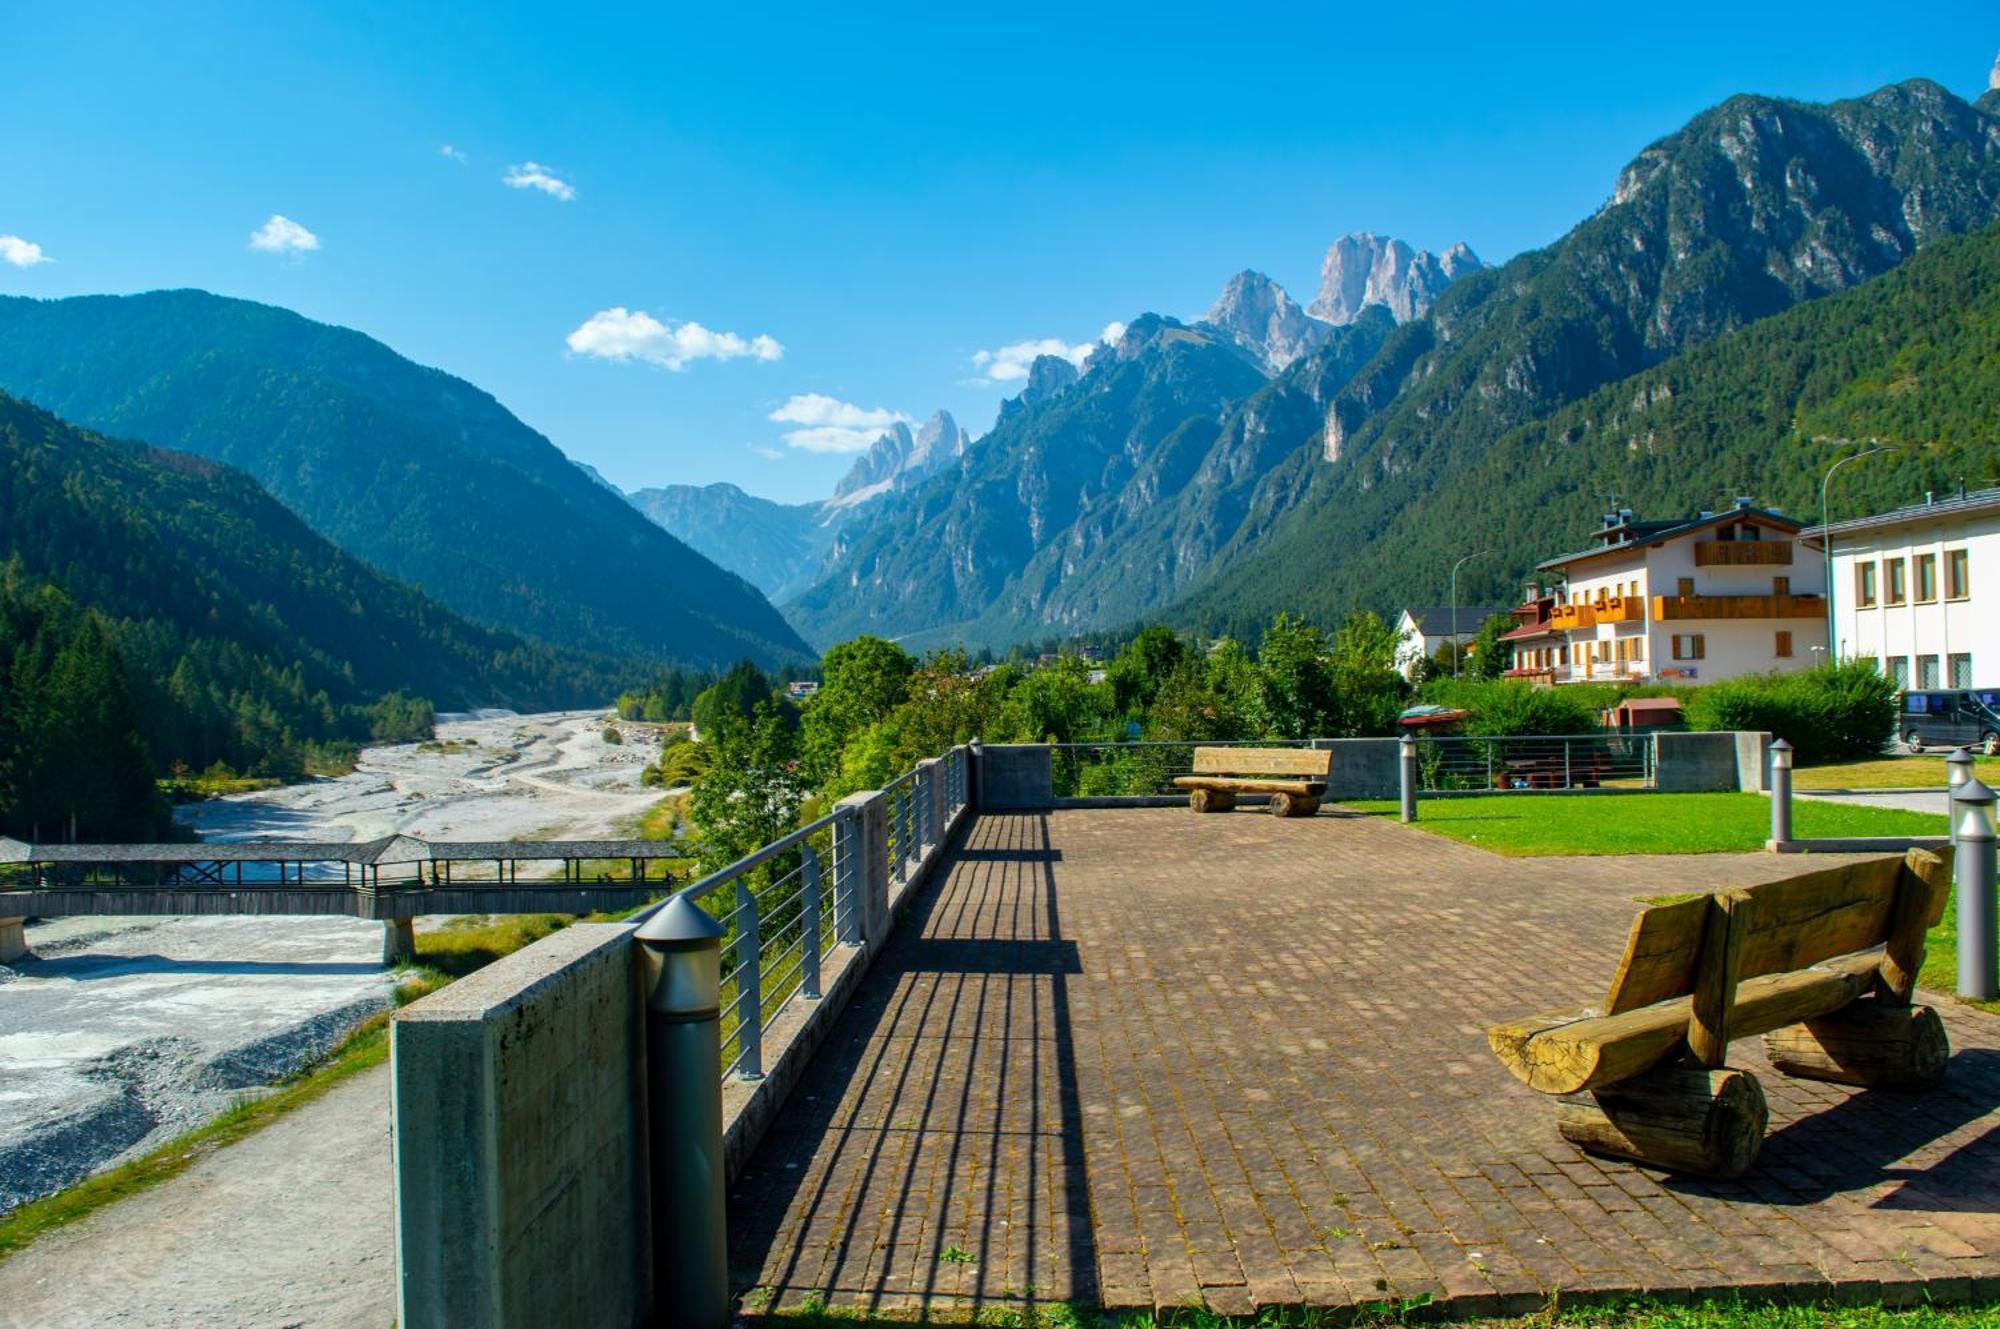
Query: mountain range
{"x": 418, "y": 473}
{"x": 1266, "y": 458}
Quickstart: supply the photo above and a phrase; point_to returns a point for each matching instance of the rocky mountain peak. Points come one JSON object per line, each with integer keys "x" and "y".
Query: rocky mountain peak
{"x": 900, "y": 459}
{"x": 1993, "y": 76}
{"x": 1258, "y": 315}
{"x": 1363, "y": 269}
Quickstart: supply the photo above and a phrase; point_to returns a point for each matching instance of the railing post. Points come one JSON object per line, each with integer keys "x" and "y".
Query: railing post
{"x": 1408, "y": 751}
{"x": 847, "y": 850}
{"x": 1976, "y": 866}
{"x": 1568, "y": 779}
{"x": 749, "y": 986}
{"x": 1781, "y": 792}
{"x": 809, "y": 923}
{"x": 906, "y": 810}
{"x": 869, "y": 816}
{"x": 681, "y": 960}
{"x": 975, "y": 774}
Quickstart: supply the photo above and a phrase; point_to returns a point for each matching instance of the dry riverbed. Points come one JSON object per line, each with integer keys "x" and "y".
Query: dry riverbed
{"x": 122, "y": 1032}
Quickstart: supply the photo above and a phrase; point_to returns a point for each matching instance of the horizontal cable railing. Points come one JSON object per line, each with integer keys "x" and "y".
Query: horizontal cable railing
{"x": 1540, "y": 762}
{"x": 1149, "y": 767}
{"x": 785, "y": 907}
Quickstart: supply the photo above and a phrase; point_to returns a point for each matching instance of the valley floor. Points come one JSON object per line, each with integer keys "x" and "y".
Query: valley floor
{"x": 122, "y": 1032}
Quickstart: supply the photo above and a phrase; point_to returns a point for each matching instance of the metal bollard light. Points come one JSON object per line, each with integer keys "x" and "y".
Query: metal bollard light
{"x": 1781, "y": 792}
{"x": 1408, "y": 751}
{"x": 682, "y": 955}
{"x": 1957, "y": 770}
{"x": 1976, "y": 865}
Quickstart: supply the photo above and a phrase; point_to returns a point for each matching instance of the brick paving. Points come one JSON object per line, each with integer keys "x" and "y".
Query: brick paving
{"x": 1143, "y": 1058}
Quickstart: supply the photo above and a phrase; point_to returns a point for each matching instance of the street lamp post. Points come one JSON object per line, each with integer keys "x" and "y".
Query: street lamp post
{"x": 1826, "y": 546}
{"x": 1454, "y": 604}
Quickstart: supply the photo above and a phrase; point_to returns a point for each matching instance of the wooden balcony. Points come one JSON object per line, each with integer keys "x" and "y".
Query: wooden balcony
{"x": 1742, "y": 553}
{"x": 1670, "y": 607}
{"x": 1625, "y": 609}
{"x": 1572, "y": 618}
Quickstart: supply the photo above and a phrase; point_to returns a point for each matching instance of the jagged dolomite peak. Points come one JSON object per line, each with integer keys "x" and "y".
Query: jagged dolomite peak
{"x": 900, "y": 459}
{"x": 1363, "y": 269}
{"x": 1255, "y": 312}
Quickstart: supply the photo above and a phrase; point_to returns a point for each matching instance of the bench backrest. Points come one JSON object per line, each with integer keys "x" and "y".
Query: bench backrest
{"x": 1780, "y": 926}
{"x": 1261, "y": 761}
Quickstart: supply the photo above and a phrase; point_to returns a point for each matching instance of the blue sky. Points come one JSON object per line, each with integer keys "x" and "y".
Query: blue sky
{"x": 850, "y": 202}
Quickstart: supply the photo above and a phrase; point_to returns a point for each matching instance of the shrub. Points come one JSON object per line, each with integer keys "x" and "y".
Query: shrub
{"x": 1834, "y": 712}
{"x": 1507, "y": 707}
{"x": 612, "y": 736}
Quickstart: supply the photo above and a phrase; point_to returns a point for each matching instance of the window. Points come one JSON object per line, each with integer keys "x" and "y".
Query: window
{"x": 1899, "y": 671}
{"x": 1638, "y": 648}
{"x": 1961, "y": 670}
{"x": 1957, "y": 584}
{"x": 1784, "y": 647}
{"x": 1927, "y": 671}
{"x": 1687, "y": 586}
{"x": 1688, "y": 647}
{"x": 1926, "y": 569}
{"x": 1781, "y": 585}
{"x": 1897, "y": 575}
{"x": 1864, "y": 585}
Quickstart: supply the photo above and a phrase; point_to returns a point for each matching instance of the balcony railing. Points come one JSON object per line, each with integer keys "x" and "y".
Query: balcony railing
{"x": 1624, "y": 609}
{"x": 1571, "y": 618}
{"x": 1738, "y": 606}
{"x": 1742, "y": 553}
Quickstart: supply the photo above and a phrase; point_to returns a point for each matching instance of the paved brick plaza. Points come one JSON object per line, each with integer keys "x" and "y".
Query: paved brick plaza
{"x": 1147, "y": 1058}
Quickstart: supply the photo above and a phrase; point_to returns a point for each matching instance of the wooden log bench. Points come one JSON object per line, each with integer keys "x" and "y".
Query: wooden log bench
{"x": 1822, "y": 965}
{"x": 1295, "y": 778}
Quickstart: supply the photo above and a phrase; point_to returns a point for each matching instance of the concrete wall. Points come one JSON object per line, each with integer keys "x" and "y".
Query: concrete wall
{"x": 519, "y": 1124}
{"x": 1016, "y": 777}
{"x": 1753, "y": 762}
{"x": 1698, "y": 763}
{"x": 1362, "y": 768}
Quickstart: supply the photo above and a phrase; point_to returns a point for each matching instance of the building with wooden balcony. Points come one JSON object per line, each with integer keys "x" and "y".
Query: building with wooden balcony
{"x": 1913, "y": 591}
{"x": 1740, "y": 591}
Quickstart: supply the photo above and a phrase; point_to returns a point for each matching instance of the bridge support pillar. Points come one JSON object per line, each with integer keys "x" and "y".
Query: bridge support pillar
{"x": 399, "y": 941}
{"x": 13, "y": 939}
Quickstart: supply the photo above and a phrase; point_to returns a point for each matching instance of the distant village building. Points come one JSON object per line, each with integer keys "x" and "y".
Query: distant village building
{"x": 1913, "y": 591}
{"x": 801, "y": 689}
{"x": 1422, "y": 631}
{"x": 1691, "y": 601}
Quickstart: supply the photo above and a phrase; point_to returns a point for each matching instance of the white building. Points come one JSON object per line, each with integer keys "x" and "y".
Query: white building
{"x": 1422, "y": 631}
{"x": 1694, "y": 601}
{"x": 1905, "y": 591}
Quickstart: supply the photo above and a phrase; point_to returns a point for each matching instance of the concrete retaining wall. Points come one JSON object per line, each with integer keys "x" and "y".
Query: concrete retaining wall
{"x": 519, "y": 1123}
{"x": 1015, "y": 777}
{"x": 1699, "y": 764}
{"x": 1362, "y": 768}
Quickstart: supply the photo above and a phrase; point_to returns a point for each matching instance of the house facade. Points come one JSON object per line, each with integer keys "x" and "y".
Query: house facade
{"x": 1908, "y": 591}
{"x": 1422, "y": 630}
{"x": 1693, "y": 601}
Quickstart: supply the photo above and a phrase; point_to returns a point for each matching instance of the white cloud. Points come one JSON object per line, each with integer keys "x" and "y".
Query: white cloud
{"x": 766, "y": 451}
{"x": 1010, "y": 364}
{"x": 447, "y": 150}
{"x": 832, "y": 425}
{"x": 1114, "y": 332}
{"x": 282, "y": 235}
{"x": 633, "y": 334}
{"x": 534, "y": 175}
{"x": 21, "y": 253}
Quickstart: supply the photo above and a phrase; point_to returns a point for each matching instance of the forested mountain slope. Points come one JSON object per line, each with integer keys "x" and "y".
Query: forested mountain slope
{"x": 421, "y": 474}
{"x": 248, "y": 638}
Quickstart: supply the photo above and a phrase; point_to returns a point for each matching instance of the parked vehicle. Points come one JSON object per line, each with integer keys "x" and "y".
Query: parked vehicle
{"x": 1951, "y": 719}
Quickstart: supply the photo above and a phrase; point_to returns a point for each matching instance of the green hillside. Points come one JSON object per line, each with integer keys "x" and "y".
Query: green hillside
{"x": 247, "y": 638}
{"x": 418, "y": 473}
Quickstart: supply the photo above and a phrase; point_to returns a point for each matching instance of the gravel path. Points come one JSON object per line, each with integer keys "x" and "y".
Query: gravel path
{"x": 1909, "y": 800}
{"x": 288, "y": 1227}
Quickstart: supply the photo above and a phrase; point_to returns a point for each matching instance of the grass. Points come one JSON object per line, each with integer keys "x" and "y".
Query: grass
{"x": 452, "y": 951}
{"x": 1638, "y": 1314}
{"x": 1888, "y": 773}
{"x": 195, "y": 788}
{"x": 1529, "y": 825}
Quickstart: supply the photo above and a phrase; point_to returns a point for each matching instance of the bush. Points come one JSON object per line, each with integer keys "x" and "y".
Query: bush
{"x": 612, "y": 736}
{"x": 1835, "y": 712}
{"x": 1508, "y": 706}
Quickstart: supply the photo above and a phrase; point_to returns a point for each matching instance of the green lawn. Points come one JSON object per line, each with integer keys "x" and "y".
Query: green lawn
{"x": 1526, "y": 825}
{"x": 1630, "y": 1315}
{"x": 1888, "y": 773}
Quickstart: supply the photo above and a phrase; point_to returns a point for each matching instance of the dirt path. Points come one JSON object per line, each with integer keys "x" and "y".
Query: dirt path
{"x": 289, "y": 1227}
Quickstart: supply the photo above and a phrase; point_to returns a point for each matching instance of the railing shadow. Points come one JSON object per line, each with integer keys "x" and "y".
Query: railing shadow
{"x": 923, "y": 987}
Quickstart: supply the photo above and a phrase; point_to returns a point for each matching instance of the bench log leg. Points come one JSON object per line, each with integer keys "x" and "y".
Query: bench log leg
{"x": 13, "y": 940}
{"x": 1683, "y": 1119}
{"x": 1870, "y": 1042}
{"x": 1211, "y": 800}
{"x": 1293, "y": 805}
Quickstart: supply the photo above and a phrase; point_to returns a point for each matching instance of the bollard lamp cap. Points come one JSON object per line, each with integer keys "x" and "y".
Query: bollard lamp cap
{"x": 1973, "y": 791}
{"x": 680, "y": 924}
{"x": 1959, "y": 757}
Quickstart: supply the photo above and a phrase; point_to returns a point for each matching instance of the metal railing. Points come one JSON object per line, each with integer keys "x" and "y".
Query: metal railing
{"x": 1537, "y": 763}
{"x": 787, "y": 906}
{"x": 1139, "y": 767}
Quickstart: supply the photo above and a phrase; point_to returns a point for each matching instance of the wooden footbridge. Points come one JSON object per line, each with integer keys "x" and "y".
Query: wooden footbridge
{"x": 394, "y": 879}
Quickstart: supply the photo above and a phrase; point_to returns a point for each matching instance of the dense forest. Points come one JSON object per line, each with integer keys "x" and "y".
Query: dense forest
{"x": 244, "y": 638}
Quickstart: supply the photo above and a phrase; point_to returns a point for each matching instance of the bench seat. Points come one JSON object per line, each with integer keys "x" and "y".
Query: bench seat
{"x": 1253, "y": 784}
